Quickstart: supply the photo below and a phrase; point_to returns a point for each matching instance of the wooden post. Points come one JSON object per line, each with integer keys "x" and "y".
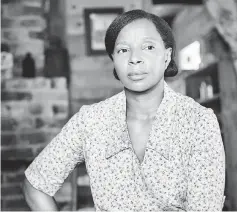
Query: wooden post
{"x": 224, "y": 14}
{"x": 228, "y": 92}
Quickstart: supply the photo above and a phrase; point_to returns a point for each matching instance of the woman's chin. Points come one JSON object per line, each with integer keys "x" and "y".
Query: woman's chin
{"x": 137, "y": 89}
{"x": 142, "y": 86}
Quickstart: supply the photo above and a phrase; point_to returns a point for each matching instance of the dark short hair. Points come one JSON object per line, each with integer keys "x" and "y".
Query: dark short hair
{"x": 161, "y": 26}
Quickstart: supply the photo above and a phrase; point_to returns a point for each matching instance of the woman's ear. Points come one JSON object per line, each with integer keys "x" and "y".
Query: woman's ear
{"x": 168, "y": 53}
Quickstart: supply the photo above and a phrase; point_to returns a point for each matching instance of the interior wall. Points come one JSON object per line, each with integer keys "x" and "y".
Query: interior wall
{"x": 190, "y": 24}
{"x": 92, "y": 76}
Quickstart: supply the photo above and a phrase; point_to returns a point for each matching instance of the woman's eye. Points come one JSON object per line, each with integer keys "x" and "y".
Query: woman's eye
{"x": 122, "y": 51}
{"x": 149, "y": 47}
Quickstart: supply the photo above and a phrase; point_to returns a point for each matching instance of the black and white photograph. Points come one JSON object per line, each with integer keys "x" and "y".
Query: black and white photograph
{"x": 126, "y": 105}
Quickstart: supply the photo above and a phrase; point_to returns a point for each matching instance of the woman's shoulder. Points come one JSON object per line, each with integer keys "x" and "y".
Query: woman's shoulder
{"x": 104, "y": 107}
{"x": 192, "y": 108}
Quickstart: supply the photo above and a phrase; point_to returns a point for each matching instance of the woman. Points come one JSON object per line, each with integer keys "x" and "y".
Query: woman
{"x": 146, "y": 148}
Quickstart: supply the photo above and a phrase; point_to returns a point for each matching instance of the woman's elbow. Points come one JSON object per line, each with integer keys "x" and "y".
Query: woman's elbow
{"x": 30, "y": 193}
{"x": 37, "y": 200}
{"x": 27, "y": 189}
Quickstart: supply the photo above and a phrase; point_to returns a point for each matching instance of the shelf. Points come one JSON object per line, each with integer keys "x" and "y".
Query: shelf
{"x": 209, "y": 75}
{"x": 204, "y": 71}
{"x": 215, "y": 97}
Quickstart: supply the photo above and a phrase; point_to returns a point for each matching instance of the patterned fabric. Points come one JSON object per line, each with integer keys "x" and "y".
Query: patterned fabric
{"x": 183, "y": 166}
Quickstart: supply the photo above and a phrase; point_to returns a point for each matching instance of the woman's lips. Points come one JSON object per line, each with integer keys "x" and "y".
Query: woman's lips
{"x": 135, "y": 76}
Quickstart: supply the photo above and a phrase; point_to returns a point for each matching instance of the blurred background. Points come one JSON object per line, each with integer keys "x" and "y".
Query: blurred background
{"x": 53, "y": 61}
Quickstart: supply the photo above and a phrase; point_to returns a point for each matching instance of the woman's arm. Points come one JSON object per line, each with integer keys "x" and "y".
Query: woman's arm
{"x": 206, "y": 170}
{"x": 37, "y": 200}
{"x": 47, "y": 173}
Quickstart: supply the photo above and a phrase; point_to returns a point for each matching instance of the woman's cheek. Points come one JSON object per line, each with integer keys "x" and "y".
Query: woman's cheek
{"x": 121, "y": 63}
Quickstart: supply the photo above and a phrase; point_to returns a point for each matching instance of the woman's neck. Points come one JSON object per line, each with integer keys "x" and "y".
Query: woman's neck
{"x": 144, "y": 105}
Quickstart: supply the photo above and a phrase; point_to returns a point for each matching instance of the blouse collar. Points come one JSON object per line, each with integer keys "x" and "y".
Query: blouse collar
{"x": 119, "y": 131}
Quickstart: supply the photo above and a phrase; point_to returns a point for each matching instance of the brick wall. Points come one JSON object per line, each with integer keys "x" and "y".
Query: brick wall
{"x": 33, "y": 111}
{"x": 23, "y": 29}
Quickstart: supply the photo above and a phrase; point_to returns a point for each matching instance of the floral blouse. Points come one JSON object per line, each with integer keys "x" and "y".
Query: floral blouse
{"x": 183, "y": 166}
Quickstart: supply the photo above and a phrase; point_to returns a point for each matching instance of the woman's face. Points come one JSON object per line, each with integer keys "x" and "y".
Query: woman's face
{"x": 140, "y": 57}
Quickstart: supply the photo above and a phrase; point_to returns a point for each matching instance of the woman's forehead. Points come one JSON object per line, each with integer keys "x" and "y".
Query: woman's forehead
{"x": 142, "y": 29}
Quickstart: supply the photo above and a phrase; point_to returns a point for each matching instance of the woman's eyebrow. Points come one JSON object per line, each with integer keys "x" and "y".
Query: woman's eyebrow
{"x": 121, "y": 43}
{"x": 150, "y": 39}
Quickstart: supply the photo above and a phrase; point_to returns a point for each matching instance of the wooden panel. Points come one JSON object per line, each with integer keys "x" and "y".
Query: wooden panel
{"x": 177, "y": 1}
{"x": 228, "y": 88}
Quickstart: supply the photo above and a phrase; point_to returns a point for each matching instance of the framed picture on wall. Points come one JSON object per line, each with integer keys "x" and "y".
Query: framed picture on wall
{"x": 97, "y": 20}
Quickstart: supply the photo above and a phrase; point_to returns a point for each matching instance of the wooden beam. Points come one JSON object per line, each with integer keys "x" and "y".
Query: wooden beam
{"x": 193, "y": 2}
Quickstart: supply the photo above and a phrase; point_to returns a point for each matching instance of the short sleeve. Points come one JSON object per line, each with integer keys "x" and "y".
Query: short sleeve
{"x": 52, "y": 166}
{"x": 206, "y": 170}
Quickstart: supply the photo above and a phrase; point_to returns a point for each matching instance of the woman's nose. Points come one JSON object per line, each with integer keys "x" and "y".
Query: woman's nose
{"x": 135, "y": 58}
